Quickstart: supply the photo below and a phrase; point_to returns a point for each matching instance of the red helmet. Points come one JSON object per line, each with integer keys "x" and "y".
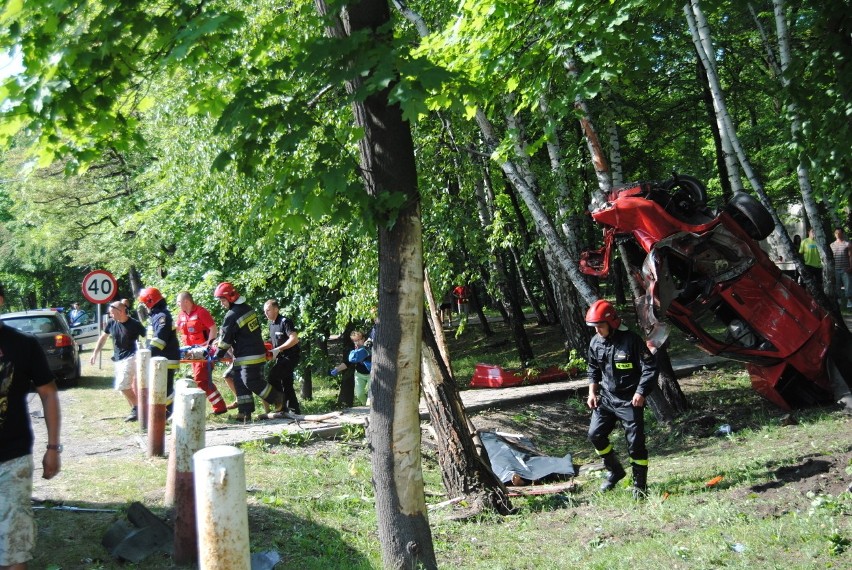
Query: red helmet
{"x": 226, "y": 290}
{"x": 150, "y": 296}
{"x": 602, "y": 311}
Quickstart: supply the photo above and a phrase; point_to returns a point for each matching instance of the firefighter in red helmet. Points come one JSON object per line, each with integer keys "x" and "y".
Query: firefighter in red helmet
{"x": 241, "y": 331}
{"x": 622, "y": 372}
{"x": 162, "y": 335}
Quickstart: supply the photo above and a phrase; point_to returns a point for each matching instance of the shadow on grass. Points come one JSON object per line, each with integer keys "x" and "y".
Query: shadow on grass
{"x": 68, "y": 539}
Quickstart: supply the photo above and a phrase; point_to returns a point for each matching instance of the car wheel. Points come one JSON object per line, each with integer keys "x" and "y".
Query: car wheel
{"x": 688, "y": 188}
{"x": 72, "y": 380}
{"x": 750, "y": 215}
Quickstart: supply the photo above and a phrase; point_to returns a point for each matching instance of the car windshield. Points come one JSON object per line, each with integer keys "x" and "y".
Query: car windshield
{"x": 34, "y": 324}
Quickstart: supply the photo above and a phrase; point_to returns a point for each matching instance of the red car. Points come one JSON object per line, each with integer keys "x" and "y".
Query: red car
{"x": 705, "y": 273}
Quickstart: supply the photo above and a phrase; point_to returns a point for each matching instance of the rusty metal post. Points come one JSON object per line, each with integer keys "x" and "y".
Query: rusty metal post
{"x": 157, "y": 407}
{"x": 188, "y": 438}
{"x": 221, "y": 511}
{"x": 180, "y": 385}
{"x": 143, "y": 360}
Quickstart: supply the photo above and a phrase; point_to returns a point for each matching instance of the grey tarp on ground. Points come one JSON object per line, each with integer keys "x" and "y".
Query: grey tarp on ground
{"x": 516, "y": 454}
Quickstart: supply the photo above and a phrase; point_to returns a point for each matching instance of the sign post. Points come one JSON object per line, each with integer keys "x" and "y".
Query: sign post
{"x": 99, "y": 287}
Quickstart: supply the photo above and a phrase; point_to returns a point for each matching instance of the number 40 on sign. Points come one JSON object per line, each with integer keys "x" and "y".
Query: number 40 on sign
{"x": 99, "y": 286}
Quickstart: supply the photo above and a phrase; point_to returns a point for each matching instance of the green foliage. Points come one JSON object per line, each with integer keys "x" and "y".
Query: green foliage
{"x": 576, "y": 362}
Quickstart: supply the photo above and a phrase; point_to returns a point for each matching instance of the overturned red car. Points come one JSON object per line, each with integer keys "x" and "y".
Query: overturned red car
{"x": 705, "y": 273}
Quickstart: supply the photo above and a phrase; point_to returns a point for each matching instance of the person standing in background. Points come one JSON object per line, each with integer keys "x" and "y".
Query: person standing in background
{"x": 842, "y": 253}
{"x": 76, "y": 316}
{"x": 124, "y": 330}
{"x": 810, "y": 254}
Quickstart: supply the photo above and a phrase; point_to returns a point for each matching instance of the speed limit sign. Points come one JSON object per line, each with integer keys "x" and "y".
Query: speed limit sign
{"x": 99, "y": 286}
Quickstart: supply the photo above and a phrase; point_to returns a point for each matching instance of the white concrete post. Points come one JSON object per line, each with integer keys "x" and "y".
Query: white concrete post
{"x": 187, "y": 421}
{"x": 157, "y": 407}
{"x": 188, "y": 438}
{"x": 143, "y": 359}
{"x": 221, "y": 511}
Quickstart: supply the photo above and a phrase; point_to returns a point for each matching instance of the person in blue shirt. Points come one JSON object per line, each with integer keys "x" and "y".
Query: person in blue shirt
{"x": 361, "y": 358}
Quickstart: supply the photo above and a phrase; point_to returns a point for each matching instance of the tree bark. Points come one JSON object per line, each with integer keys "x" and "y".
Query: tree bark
{"x": 387, "y": 165}
{"x": 510, "y": 305}
{"x": 808, "y": 200}
{"x": 465, "y": 467}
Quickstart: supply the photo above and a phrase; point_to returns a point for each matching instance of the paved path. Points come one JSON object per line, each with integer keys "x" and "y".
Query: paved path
{"x": 474, "y": 400}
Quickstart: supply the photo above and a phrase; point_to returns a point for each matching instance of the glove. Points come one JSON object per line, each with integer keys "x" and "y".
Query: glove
{"x": 333, "y": 372}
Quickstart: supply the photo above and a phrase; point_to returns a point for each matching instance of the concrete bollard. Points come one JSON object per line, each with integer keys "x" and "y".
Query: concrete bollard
{"x": 187, "y": 439}
{"x": 221, "y": 511}
{"x": 181, "y": 385}
{"x": 157, "y": 407}
{"x": 143, "y": 360}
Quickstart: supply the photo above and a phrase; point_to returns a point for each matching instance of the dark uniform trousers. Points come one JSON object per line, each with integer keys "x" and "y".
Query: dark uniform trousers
{"x": 610, "y": 409}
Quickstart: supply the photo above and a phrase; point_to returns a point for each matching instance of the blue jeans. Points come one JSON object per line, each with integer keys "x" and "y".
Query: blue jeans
{"x": 844, "y": 279}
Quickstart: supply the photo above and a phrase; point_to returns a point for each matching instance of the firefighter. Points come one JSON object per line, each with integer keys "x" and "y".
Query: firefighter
{"x": 162, "y": 336}
{"x": 622, "y": 372}
{"x": 197, "y": 328}
{"x": 241, "y": 331}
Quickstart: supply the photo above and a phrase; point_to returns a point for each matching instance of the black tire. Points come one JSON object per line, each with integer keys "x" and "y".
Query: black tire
{"x": 750, "y": 215}
{"x": 686, "y": 197}
{"x": 688, "y": 187}
{"x": 72, "y": 380}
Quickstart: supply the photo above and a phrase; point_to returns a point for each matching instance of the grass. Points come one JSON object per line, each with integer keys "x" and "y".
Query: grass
{"x": 313, "y": 502}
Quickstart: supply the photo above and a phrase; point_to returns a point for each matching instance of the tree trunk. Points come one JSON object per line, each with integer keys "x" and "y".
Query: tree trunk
{"x": 529, "y": 246}
{"x": 704, "y": 45}
{"x": 721, "y": 167}
{"x": 476, "y": 304}
{"x": 510, "y": 304}
{"x": 346, "y": 394}
{"x": 437, "y": 327}
{"x": 387, "y": 165}
{"x": 808, "y": 200}
{"x": 307, "y": 376}
{"x": 668, "y": 401}
{"x": 465, "y": 472}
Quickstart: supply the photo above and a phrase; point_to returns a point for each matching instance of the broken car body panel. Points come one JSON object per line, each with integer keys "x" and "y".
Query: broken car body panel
{"x": 706, "y": 275}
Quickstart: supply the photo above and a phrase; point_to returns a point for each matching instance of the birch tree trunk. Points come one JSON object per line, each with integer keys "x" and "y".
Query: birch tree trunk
{"x": 387, "y": 165}
{"x": 542, "y": 221}
{"x": 510, "y": 304}
{"x": 703, "y": 44}
{"x": 808, "y": 201}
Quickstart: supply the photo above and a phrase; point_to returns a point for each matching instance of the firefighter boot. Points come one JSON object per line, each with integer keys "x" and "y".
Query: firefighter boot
{"x": 615, "y": 472}
{"x": 275, "y": 401}
{"x": 640, "y": 481}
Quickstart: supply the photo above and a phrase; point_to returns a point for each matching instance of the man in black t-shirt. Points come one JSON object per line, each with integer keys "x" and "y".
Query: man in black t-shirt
{"x": 23, "y": 365}
{"x": 286, "y": 353}
{"x": 124, "y": 330}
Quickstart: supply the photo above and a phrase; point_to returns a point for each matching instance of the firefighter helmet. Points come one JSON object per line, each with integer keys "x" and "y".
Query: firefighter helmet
{"x": 602, "y": 311}
{"x": 150, "y": 296}
{"x": 226, "y": 291}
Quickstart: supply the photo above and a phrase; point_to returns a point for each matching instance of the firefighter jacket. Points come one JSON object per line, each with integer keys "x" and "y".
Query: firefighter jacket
{"x": 241, "y": 330}
{"x": 162, "y": 335}
{"x": 622, "y": 364}
{"x": 195, "y": 326}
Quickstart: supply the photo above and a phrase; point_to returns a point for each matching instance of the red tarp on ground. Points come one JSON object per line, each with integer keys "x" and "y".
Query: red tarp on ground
{"x": 493, "y": 376}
